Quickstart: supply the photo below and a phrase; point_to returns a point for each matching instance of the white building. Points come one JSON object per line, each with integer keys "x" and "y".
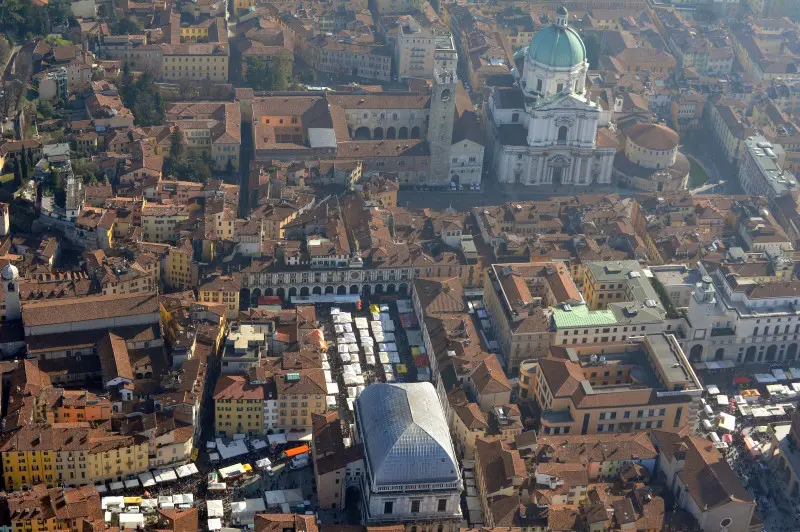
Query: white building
{"x": 412, "y": 474}
{"x": 761, "y": 172}
{"x": 545, "y": 130}
{"x": 419, "y": 50}
{"x": 742, "y": 320}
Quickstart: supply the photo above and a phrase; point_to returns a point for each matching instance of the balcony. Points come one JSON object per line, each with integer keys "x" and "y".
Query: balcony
{"x": 722, "y": 331}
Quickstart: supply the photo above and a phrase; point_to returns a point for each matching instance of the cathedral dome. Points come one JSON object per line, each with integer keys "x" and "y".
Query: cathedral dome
{"x": 558, "y": 45}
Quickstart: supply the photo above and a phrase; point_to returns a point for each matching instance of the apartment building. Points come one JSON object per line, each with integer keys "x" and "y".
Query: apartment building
{"x": 221, "y": 290}
{"x": 209, "y": 128}
{"x": 195, "y": 61}
{"x": 43, "y": 509}
{"x": 179, "y": 266}
{"x": 518, "y": 297}
{"x": 300, "y": 394}
{"x": 588, "y": 390}
{"x": 761, "y": 170}
{"x": 160, "y": 222}
{"x": 729, "y": 128}
{"x": 340, "y": 55}
{"x": 420, "y": 50}
{"x": 242, "y": 406}
{"x": 71, "y": 454}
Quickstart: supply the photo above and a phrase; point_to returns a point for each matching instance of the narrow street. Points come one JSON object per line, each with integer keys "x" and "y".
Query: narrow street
{"x": 245, "y": 156}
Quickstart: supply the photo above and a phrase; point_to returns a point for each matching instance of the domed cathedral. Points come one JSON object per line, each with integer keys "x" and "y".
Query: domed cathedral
{"x": 544, "y": 129}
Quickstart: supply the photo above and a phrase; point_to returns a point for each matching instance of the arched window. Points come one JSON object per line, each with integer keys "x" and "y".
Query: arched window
{"x": 562, "y": 134}
{"x": 515, "y": 117}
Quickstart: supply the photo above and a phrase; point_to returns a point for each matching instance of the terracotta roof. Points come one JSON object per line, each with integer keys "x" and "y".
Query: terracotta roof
{"x": 440, "y": 294}
{"x": 489, "y": 377}
{"x": 708, "y": 478}
{"x": 114, "y": 358}
{"x": 236, "y": 387}
{"x": 596, "y": 447}
{"x": 498, "y": 463}
{"x": 59, "y": 311}
{"x": 472, "y": 416}
{"x": 653, "y": 136}
{"x": 285, "y": 523}
{"x": 562, "y": 376}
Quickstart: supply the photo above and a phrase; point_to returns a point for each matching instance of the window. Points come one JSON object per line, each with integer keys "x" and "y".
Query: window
{"x": 515, "y": 117}
{"x": 539, "y": 85}
{"x": 415, "y": 506}
{"x": 388, "y": 506}
{"x": 442, "y": 505}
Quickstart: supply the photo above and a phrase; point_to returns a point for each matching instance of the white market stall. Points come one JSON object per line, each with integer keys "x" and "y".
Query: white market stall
{"x": 215, "y": 508}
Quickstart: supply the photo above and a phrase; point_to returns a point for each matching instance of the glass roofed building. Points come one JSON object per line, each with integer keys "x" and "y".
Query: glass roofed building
{"x": 412, "y": 475}
{"x": 545, "y": 130}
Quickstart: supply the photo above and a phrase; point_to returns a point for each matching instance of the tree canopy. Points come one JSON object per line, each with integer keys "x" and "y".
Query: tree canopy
{"x": 140, "y": 95}
{"x": 265, "y": 77}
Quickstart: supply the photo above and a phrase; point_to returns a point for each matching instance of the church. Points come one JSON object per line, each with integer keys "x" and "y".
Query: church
{"x": 544, "y": 130}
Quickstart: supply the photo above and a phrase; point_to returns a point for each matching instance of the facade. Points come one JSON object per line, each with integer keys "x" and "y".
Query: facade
{"x": 209, "y": 128}
{"x": 518, "y": 297}
{"x": 160, "y": 222}
{"x": 703, "y": 483}
{"x": 728, "y": 129}
{"x": 761, "y": 170}
{"x": 412, "y": 474}
{"x": 221, "y": 290}
{"x": 338, "y": 56}
{"x": 45, "y": 509}
{"x": 545, "y": 130}
{"x": 742, "y": 320}
{"x": 239, "y": 406}
{"x": 591, "y": 390}
{"x": 337, "y": 466}
{"x": 420, "y": 51}
{"x": 195, "y": 62}
{"x": 651, "y": 160}
{"x": 301, "y": 394}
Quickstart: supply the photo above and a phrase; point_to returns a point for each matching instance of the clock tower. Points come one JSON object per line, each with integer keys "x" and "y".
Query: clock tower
{"x": 440, "y": 124}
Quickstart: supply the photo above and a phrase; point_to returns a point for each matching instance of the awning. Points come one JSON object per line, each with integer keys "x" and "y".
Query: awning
{"x": 277, "y": 439}
{"x": 165, "y": 475}
{"x": 215, "y": 509}
{"x": 116, "y": 486}
{"x": 186, "y": 470}
{"x": 215, "y": 524}
{"x": 101, "y": 488}
{"x": 132, "y": 483}
{"x": 147, "y": 479}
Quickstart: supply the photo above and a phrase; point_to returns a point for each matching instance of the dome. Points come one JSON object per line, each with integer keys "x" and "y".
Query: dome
{"x": 558, "y": 45}
{"x": 653, "y": 137}
{"x": 10, "y": 272}
{"x": 405, "y": 434}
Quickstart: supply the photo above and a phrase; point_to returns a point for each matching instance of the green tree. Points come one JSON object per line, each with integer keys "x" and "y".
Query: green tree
{"x": 199, "y": 169}
{"x": 177, "y": 144}
{"x": 59, "y": 12}
{"x": 307, "y": 77}
{"x": 23, "y": 165}
{"x": 45, "y": 109}
{"x": 263, "y": 77}
{"x": 229, "y": 167}
{"x": 53, "y": 180}
{"x": 127, "y": 26}
{"x": 17, "y": 176}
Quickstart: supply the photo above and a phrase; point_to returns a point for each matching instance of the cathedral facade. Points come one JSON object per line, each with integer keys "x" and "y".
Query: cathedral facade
{"x": 544, "y": 130}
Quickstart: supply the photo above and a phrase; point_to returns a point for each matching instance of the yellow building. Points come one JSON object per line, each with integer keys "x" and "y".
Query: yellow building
{"x": 243, "y": 5}
{"x": 195, "y": 61}
{"x": 573, "y": 391}
{"x": 221, "y": 290}
{"x": 160, "y": 222}
{"x": 178, "y": 266}
{"x": 615, "y": 281}
{"x": 70, "y": 454}
{"x": 51, "y": 509}
{"x": 116, "y": 457}
{"x": 300, "y": 394}
{"x": 239, "y": 406}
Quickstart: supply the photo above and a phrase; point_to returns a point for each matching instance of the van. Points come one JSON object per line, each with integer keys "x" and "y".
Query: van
{"x": 713, "y": 437}
{"x": 707, "y": 425}
{"x": 709, "y": 412}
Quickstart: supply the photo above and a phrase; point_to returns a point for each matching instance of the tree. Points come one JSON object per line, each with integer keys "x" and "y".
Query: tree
{"x": 17, "y": 176}
{"x": 127, "y": 26}
{"x": 45, "y": 109}
{"x": 59, "y": 12}
{"x": 229, "y": 167}
{"x": 5, "y": 49}
{"x": 261, "y": 76}
{"x": 177, "y": 144}
{"x": 23, "y": 165}
{"x": 307, "y": 77}
{"x": 53, "y": 180}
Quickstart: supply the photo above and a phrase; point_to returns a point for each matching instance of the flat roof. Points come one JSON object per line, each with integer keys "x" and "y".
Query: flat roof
{"x": 581, "y": 316}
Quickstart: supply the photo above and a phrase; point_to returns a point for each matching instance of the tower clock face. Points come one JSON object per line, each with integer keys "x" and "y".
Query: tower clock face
{"x": 445, "y": 95}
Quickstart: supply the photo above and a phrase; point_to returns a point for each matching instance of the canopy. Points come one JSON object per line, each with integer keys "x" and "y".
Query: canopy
{"x": 116, "y": 486}
{"x": 217, "y": 486}
{"x": 231, "y": 471}
{"x": 165, "y": 475}
{"x": 112, "y": 502}
{"x": 101, "y": 488}
{"x": 147, "y": 479}
{"x": 231, "y": 449}
{"x": 727, "y": 422}
{"x": 132, "y": 483}
{"x": 128, "y": 520}
{"x": 258, "y": 444}
{"x": 215, "y": 524}
{"x": 133, "y": 501}
{"x": 214, "y": 457}
{"x": 712, "y": 389}
{"x": 186, "y": 470}
{"x": 722, "y": 400}
{"x": 277, "y": 439}
{"x": 215, "y": 508}
{"x": 263, "y": 463}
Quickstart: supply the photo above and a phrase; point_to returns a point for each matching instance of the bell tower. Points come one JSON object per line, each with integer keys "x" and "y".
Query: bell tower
{"x": 440, "y": 124}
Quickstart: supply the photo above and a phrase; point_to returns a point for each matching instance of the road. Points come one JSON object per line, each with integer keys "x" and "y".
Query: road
{"x": 245, "y": 156}
{"x": 495, "y": 194}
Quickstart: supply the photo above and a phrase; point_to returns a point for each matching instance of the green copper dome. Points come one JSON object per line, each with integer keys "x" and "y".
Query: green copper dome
{"x": 558, "y": 46}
